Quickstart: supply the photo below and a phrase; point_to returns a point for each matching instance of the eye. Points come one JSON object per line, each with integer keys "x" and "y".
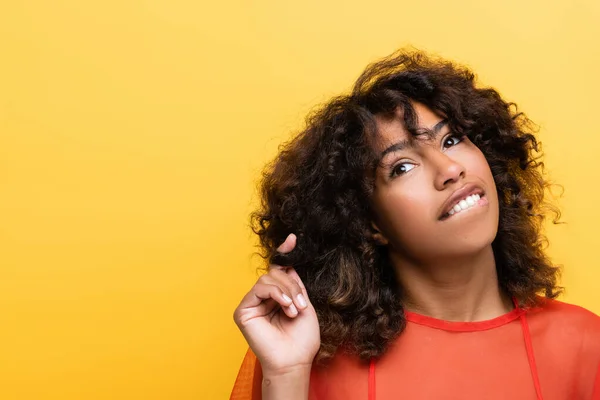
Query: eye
{"x": 451, "y": 140}
{"x": 401, "y": 169}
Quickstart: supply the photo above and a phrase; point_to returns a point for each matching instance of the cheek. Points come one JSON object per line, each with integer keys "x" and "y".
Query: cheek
{"x": 479, "y": 167}
{"x": 405, "y": 218}
{"x": 476, "y": 163}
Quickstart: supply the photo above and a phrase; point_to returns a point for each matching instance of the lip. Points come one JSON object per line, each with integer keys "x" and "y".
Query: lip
{"x": 459, "y": 194}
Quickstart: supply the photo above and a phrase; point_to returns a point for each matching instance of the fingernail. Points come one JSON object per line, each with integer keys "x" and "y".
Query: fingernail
{"x": 293, "y": 310}
{"x": 301, "y": 300}
{"x": 286, "y": 298}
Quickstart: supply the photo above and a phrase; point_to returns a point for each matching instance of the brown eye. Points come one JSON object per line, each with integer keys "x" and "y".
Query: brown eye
{"x": 401, "y": 169}
{"x": 451, "y": 141}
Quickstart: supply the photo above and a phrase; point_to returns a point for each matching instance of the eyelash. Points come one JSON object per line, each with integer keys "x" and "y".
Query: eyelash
{"x": 459, "y": 139}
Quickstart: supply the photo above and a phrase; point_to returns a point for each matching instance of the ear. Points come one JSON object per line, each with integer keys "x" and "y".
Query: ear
{"x": 378, "y": 235}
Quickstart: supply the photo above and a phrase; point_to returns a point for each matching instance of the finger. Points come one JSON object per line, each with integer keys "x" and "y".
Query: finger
{"x": 260, "y": 294}
{"x": 266, "y": 308}
{"x": 290, "y": 286}
{"x": 294, "y": 275}
{"x": 291, "y": 310}
{"x": 268, "y": 292}
{"x": 288, "y": 245}
{"x": 247, "y": 311}
{"x": 270, "y": 307}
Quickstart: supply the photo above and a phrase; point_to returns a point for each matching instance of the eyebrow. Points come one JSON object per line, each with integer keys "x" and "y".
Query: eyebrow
{"x": 409, "y": 143}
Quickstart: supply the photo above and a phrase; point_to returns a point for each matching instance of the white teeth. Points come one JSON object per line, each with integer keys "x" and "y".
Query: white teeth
{"x": 468, "y": 202}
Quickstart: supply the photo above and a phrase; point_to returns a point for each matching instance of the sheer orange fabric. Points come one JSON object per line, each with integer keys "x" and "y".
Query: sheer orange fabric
{"x": 550, "y": 352}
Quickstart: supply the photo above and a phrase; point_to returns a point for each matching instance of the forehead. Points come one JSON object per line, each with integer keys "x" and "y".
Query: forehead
{"x": 392, "y": 129}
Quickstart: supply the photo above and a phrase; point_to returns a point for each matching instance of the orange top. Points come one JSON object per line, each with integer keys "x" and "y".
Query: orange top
{"x": 550, "y": 352}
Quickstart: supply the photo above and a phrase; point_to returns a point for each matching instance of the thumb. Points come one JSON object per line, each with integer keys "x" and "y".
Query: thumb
{"x": 288, "y": 245}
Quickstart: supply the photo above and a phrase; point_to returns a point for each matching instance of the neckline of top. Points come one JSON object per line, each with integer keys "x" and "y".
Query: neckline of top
{"x": 456, "y": 326}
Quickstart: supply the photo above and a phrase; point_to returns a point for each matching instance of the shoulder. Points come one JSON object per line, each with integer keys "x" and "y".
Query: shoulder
{"x": 566, "y": 322}
{"x": 559, "y": 311}
{"x": 566, "y": 341}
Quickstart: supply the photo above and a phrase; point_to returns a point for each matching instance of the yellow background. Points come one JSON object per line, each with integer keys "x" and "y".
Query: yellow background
{"x": 132, "y": 134}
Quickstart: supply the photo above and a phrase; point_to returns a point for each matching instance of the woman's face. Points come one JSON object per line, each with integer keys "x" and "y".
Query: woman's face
{"x": 434, "y": 197}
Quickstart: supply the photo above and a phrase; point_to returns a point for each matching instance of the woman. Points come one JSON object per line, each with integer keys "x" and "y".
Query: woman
{"x": 403, "y": 229}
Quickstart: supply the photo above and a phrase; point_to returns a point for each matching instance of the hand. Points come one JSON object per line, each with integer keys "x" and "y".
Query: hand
{"x": 278, "y": 320}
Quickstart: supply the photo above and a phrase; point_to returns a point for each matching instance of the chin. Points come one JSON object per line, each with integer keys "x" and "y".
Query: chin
{"x": 470, "y": 244}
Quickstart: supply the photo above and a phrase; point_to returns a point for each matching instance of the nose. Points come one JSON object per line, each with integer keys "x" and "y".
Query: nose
{"x": 447, "y": 170}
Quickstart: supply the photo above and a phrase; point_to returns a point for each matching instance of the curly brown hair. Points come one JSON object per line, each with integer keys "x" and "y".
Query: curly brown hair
{"x": 319, "y": 187}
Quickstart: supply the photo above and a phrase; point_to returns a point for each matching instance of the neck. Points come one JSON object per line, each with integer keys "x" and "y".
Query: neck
{"x": 462, "y": 289}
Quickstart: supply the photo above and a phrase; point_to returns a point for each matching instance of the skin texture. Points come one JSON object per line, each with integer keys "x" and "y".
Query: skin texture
{"x": 408, "y": 205}
{"x": 445, "y": 267}
{"x": 280, "y": 325}
{"x": 278, "y": 320}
